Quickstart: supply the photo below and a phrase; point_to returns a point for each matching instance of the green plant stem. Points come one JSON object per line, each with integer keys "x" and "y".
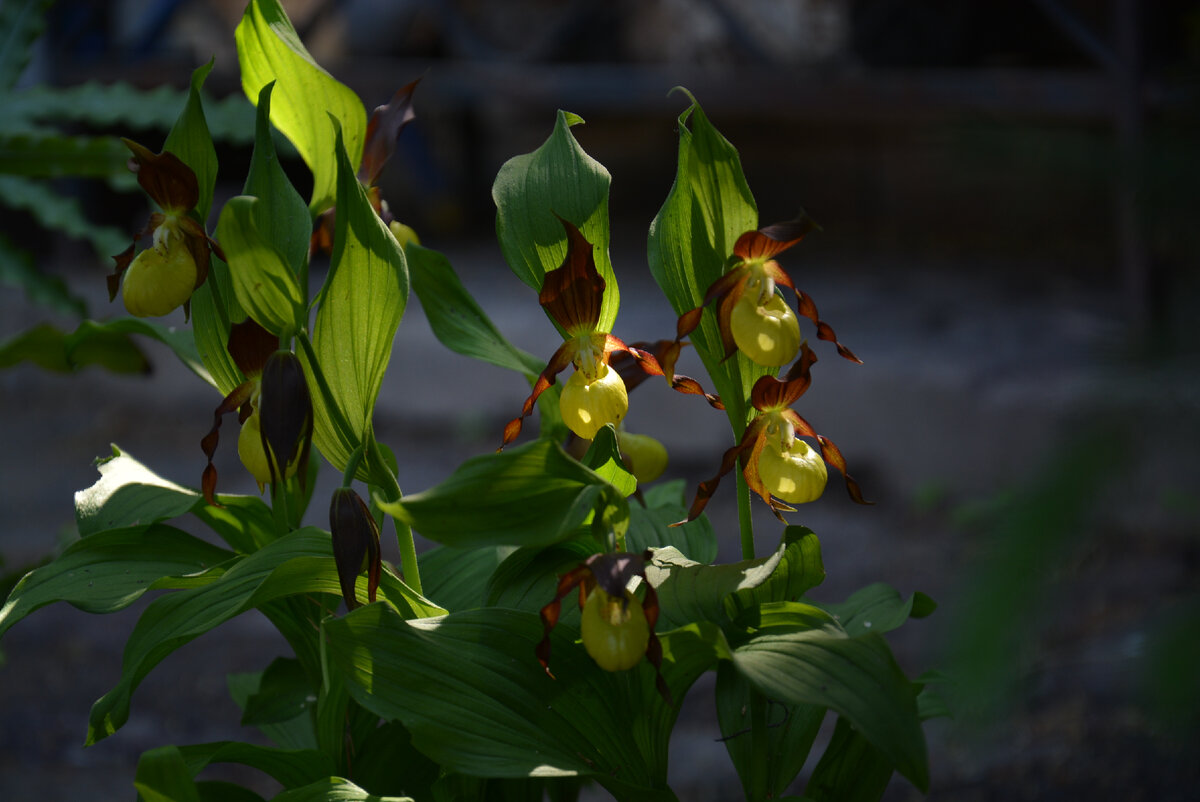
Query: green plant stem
{"x": 745, "y": 516}
{"x": 390, "y": 488}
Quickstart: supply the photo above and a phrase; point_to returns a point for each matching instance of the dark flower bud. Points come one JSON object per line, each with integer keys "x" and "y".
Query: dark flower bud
{"x": 286, "y": 415}
{"x": 355, "y": 544}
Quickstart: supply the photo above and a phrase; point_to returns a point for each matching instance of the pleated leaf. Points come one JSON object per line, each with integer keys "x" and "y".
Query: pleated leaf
{"x": 558, "y": 178}
{"x": 263, "y": 283}
{"x": 163, "y": 776}
{"x": 214, "y": 309}
{"x": 361, "y": 305}
{"x": 300, "y": 562}
{"x": 708, "y": 208}
{"x": 469, "y": 689}
{"x": 305, "y": 96}
{"x": 856, "y": 677}
{"x": 879, "y": 608}
{"x": 190, "y": 141}
{"x": 850, "y": 770}
{"x": 334, "y": 789}
{"x": 650, "y": 526}
{"x": 290, "y": 767}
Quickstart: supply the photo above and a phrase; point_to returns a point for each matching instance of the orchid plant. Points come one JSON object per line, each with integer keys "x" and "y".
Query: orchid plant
{"x": 459, "y": 674}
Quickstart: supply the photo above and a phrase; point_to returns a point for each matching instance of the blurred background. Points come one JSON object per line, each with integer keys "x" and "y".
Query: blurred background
{"x": 1008, "y": 195}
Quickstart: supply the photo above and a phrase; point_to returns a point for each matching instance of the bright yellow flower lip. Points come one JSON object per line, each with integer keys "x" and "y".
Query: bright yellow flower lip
{"x": 614, "y": 630}
{"x": 587, "y": 406}
{"x": 796, "y": 475}
{"x": 159, "y": 279}
{"x": 768, "y": 333}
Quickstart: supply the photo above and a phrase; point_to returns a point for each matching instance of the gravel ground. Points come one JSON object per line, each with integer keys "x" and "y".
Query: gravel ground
{"x": 975, "y": 377}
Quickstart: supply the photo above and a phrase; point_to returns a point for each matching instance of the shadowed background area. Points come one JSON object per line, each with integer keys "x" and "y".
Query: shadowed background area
{"x": 1007, "y": 192}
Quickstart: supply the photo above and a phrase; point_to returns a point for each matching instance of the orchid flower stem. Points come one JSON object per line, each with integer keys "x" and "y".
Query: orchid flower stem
{"x": 745, "y": 516}
{"x": 382, "y": 476}
{"x": 356, "y": 457}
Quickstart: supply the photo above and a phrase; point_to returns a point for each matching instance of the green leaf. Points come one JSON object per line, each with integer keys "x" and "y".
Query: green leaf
{"x": 334, "y": 789}
{"x": 221, "y": 791}
{"x": 457, "y": 320}
{"x": 162, "y": 776}
{"x": 558, "y": 178}
{"x": 458, "y": 578}
{"x": 110, "y": 571}
{"x": 361, "y": 304}
{"x": 214, "y": 308}
{"x": 300, "y": 562}
{"x": 128, "y": 493}
{"x": 604, "y": 457}
{"x": 708, "y": 208}
{"x": 469, "y": 689}
{"x": 284, "y": 692}
{"x": 879, "y": 608}
{"x": 246, "y": 523}
{"x": 283, "y": 216}
{"x": 263, "y": 283}
{"x": 851, "y": 770}
{"x": 856, "y": 677}
{"x": 531, "y": 495}
{"x": 290, "y": 767}
{"x": 190, "y": 141}
{"x": 21, "y": 24}
{"x": 650, "y": 526}
{"x": 270, "y": 50}
{"x": 53, "y": 155}
{"x": 58, "y": 213}
{"x": 689, "y": 591}
{"x": 17, "y": 269}
{"x": 528, "y": 579}
{"x": 51, "y": 349}
{"x": 388, "y": 762}
{"x": 788, "y": 735}
{"x": 296, "y": 734}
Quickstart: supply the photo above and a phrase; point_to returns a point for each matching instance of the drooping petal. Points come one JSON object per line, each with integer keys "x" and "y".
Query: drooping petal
{"x": 579, "y": 576}
{"x": 651, "y": 359}
{"x": 729, "y": 459}
{"x": 572, "y": 293}
{"x": 250, "y": 346}
{"x": 771, "y": 394}
{"x": 239, "y": 398}
{"x": 558, "y": 363}
{"x": 830, "y": 453}
{"x": 806, "y": 308}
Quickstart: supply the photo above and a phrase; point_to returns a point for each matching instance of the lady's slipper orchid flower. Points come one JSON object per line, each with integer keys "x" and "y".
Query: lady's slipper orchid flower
{"x": 163, "y": 276}
{"x": 617, "y": 630}
{"x": 274, "y": 408}
{"x": 751, "y": 315}
{"x": 778, "y": 466}
{"x": 596, "y": 394}
{"x": 355, "y": 544}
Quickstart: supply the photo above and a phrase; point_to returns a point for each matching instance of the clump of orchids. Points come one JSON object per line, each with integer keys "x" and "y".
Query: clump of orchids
{"x": 163, "y": 276}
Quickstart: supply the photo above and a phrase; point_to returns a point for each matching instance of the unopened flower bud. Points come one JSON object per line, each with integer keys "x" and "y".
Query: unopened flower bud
{"x": 287, "y": 415}
{"x": 158, "y": 281}
{"x": 588, "y": 406}
{"x": 769, "y": 334}
{"x": 355, "y": 544}
{"x": 797, "y": 475}
{"x": 645, "y": 457}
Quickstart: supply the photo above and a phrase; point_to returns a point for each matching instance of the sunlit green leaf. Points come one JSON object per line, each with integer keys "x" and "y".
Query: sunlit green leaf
{"x": 283, "y": 217}
{"x": 361, "y": 304}
{"x": 708, "y": 208}
{"x": 305, "y": 95}
{"x": 334, "y": 789}
{"x": 128, "y": 493}
{"x": 558, "y": 178}
{"x": 190, "y": 141}
{"x": 263, "y": 282}
{"x": 604, "y": 457}
{"x": 214, "y": 310}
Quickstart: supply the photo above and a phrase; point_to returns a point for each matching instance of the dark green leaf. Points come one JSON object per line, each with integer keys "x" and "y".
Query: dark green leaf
{"x": 800, "y": 570}
{"x": 53, "y": 155}
{"x": 17, "y": 269}
{"x": 879, "y": 608}
{"x": 558, "y": 178}
{"x": 334, "y": 789}
{"x": 21, "y": 24}
{"x": 458, "y": 578}
{"x": 528, "y": 578}
{"x": 650, "y": 526}
{"x": 284, "y": 692}
{"x": 296, "y": 734}
{"x": 533, "y": 494}
{"x": 856, "y": 677}
{"x": 457, "y": 320}
{"x": 162, "y": 776}
{"x": 290, "y": 767}
{"x": 110, "y": 570}
{"x": 60, "y": 214}
{"x": 851, "y": 770}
